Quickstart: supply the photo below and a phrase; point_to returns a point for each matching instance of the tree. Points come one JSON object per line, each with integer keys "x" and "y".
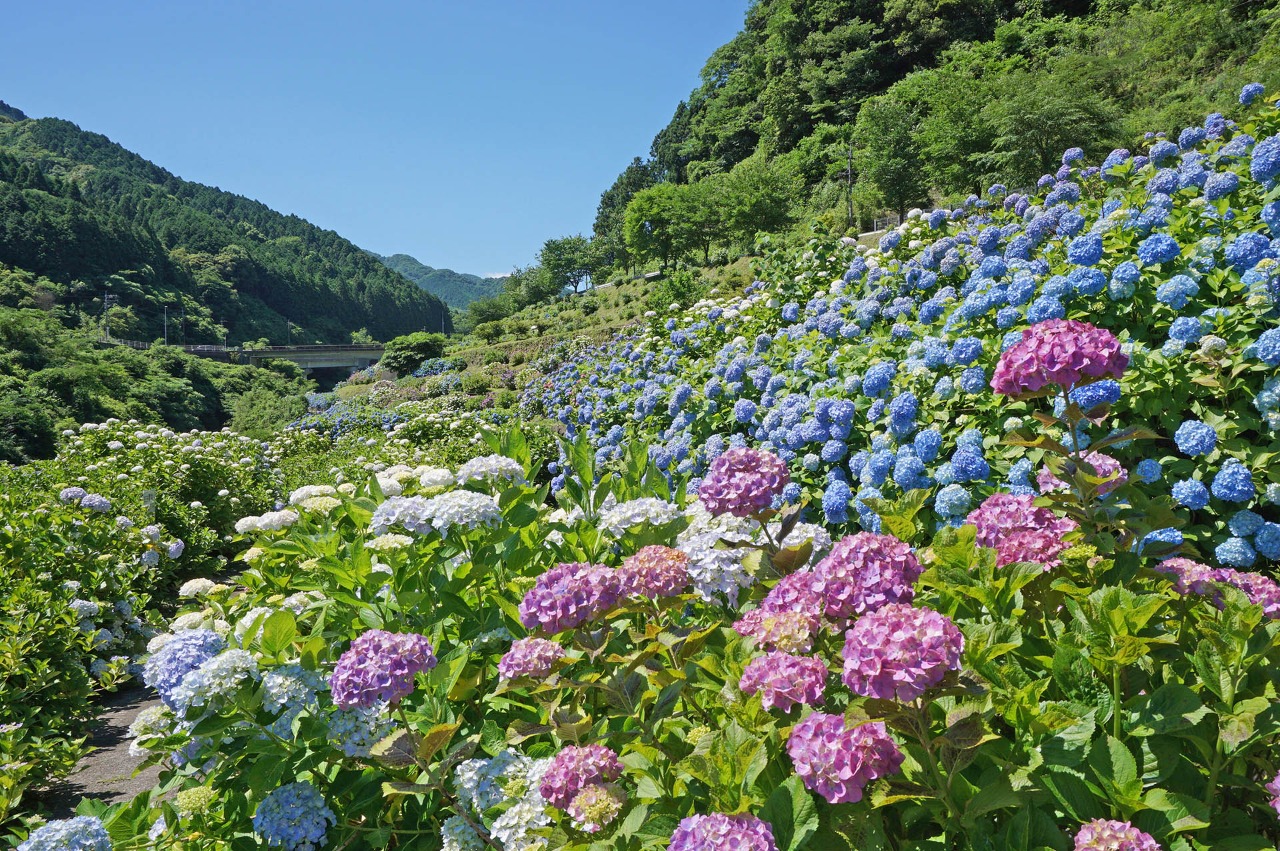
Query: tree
{"x": 757, "y": 196}
{"x": 528, "y": 285}
{"x": 405, "y": 354}
{"x": 890, "y": 157}
{"x": 568, "y": 262}
{"x": 651, "y": 224}
{"x": 361, "y": 336}
{"x": 607, "y": 234}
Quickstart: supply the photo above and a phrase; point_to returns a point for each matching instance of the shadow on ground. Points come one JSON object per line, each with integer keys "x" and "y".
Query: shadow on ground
{"x": 106, "y": 772}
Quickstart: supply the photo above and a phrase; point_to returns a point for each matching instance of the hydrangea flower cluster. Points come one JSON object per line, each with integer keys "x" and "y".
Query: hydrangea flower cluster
{"x": 185, "y": 652}
{"x": 596, "y": 806}
{"x": 379, "y": 667}
{"x": 719, "y": 832}
{"x": 654, "y": 572}
{"x": 575, "y": 768}
{"x": 491, "y": 469}
{"x": 1103, "y": 467}
{"x": 743, "y": 481}
{"x": 215, "y": 678}
{"x": 618, "y": 519}
{"x": 569, "y": 595}
{"x": 899, "y": 652}
{"x": 1061, "y": 352}
{"x": 356, "y": 730}
{"x": 837, "y": 762}
{"x": 789, "y": 632}
{"x": 864, "y": 572}
{"x": 272, "y": 521}
{"x": 1019, "y": 531}
{"x": 1109, "y": 835}
{"x": 529, "y": 657}
{"x": 420, "y": 515}
{"x": 82, "y": 833}
{"x": 295, "y": 817}
{"x": 784, "y": 680}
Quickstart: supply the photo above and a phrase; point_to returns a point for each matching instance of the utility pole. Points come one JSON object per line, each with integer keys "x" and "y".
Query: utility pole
{"x": 166, "y": 324}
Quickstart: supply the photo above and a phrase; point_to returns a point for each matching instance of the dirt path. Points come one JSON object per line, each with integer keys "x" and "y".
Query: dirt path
{"x": 106, "y": 772}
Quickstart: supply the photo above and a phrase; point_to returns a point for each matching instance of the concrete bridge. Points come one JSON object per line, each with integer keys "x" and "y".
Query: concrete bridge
{"x": 350, "y": 357}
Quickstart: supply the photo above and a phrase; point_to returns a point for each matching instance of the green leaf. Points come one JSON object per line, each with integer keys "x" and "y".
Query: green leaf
{"x": 395, "y": 750}
{"x": 1182, "y": 812}
{"x": 398, "y": 787}
{"x": 1116, "y": 769}
{"x": 278, "y": 632}
{"x": 436, "y": 739}
{"x": 1169, "y": 708}
{"x": 792, "y": 813}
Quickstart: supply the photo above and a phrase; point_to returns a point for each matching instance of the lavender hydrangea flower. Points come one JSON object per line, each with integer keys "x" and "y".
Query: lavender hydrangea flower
{"x": 719, "y": 832}
{"x": 575, "y": 768}
{"x": 898, "y": 652}
{"x": 1108, "y": 835}
{"x": 784, "y": 680}
{"x": 743, "y": 481}
{"x": 569, "y": 595}
{"x": 529, "y": 657}
{"x": 790, "y": 632}
{"x": 294, "y": 816}
{"x": 1274, "y": 789}
{"x": 655, "y": 572}
{"x": 379, "y": 667}
{"x": 185, "y": 652}
{"x": 838, "y": 763}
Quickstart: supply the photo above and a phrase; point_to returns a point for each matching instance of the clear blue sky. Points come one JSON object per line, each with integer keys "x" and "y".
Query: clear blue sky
{"x": 464, "y": 133}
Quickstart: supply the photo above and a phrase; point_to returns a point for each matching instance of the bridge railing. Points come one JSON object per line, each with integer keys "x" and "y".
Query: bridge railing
{"x": 213, "y": 348}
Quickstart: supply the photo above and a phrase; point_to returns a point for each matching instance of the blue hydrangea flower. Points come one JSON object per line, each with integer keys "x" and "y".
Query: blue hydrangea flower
{"x": 1090, "y": 396}
{"x": 1268, "y": 347}
{"x": 185, "y": 652}
{"x": 1220, "y": 185}
{"x": 969, "y": 465}
{"x": 82, "y": 833}
{"x": 876, "y": 381}
{"x": 835, "y": 502}
{"x": 1192, "y": 493}
{"x": 1267, "y": 541}
{"x": 1165, "y": 538}
{"x": 1195, "y": 438}
{"x": 1235, "y": 552}
{"x": 1246, "y": 250}
{"x": 1250, "y": 93}
{"x": 952, "y": 501}
{"x": 294, "y": 816}
{"x": 1233, "y": 482}
{"x": 1162, "y": 151}
{"x": 1244, "y": 523}
{"x": 1177, "y": 291}
{"x": 1186, "y": 329}
{"x": 1158, "y": 248}
{"x": 744, "y": 410}
{"x": 1085, "y": 250}
{"x": 1148, "y": 471}
{"x": 1264, "y": 162}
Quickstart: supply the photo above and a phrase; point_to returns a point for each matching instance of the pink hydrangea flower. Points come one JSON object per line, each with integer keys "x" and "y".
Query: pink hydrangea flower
{"x": 1261, "y": 590}
{"x": 1192, "y": 577}
{"x": 379, "y": 667}
{"x": 801, "y": 591}
{"x": 1019, "y": 531}
{"x": 569, "y": 595}
{"x": 574, "y": 769}
{"x": 1107, "y": 835}
{"x": 864, "y": 572}
{"x": 719, "y": 832}
{"x": 1274, "y": 788}
{"x": 838, "y": 763}
{"x": 655, "y": 572}
{"x": 529, "y": 657}
{"x": 791, "y": 632}
{"x": 743, "y": 481}
{"x": 899, "y": 652}
{"x": 784, "y": 680}
{"x": 1058, "y": 351}
{"x": 1104, "y": 466}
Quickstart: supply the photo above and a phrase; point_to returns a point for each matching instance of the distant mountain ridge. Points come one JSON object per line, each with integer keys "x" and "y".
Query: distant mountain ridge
{"x": 456, "y": 289}
{"x": 100, "y": 235}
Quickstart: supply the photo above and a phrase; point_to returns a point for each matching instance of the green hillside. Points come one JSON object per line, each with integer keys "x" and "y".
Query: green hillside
{"x": 101, "y": 235}
{"x": 456, "y": 289}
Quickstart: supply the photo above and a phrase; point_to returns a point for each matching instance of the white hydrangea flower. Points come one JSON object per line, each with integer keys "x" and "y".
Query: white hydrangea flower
{"x": 197, "y": 587}
{"x": 189, "y": 620}
{"x": 645, "y": 510}
{"x": 457, "y": 835}
{"x": 436, "y": 477}
{"x": 715, "y": 572}
{"x": 388, "y": 541}
{"x": 151, "y": 721}
{"x": 306, "y": 492}
{"x": 216, "y": 678}
{"x": 259, "y": 614}
{"x": 491, "y": 469}
{"x": 320, "y": 504}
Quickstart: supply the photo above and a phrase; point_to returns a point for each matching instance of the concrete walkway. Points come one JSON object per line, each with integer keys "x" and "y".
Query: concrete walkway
{"x": 106, "y": 772}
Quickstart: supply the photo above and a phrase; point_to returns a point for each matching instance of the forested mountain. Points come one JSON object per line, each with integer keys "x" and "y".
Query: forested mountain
{"x": 841, "y": 109}
{"x": 100, "y": 235}
{"x": 456, "y": 289}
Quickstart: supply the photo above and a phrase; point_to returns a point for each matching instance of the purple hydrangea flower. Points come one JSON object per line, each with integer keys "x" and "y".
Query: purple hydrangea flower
{"x": 790, "y": 632}
{"x": 784, "y": 680}
{"x": 574, "y": 769}
{"x": 569, "y": 595}
{"x": 654, "y": 572}
{"x": 719, "y": 832}
{"x": 838, "y": 763}
{"x": 529, "y": 657}
{"x": 743, "y": 481}
{"x": 865, "y": 571}
{"x": 898, "y": 652}
{"x": 380, "y": 667}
